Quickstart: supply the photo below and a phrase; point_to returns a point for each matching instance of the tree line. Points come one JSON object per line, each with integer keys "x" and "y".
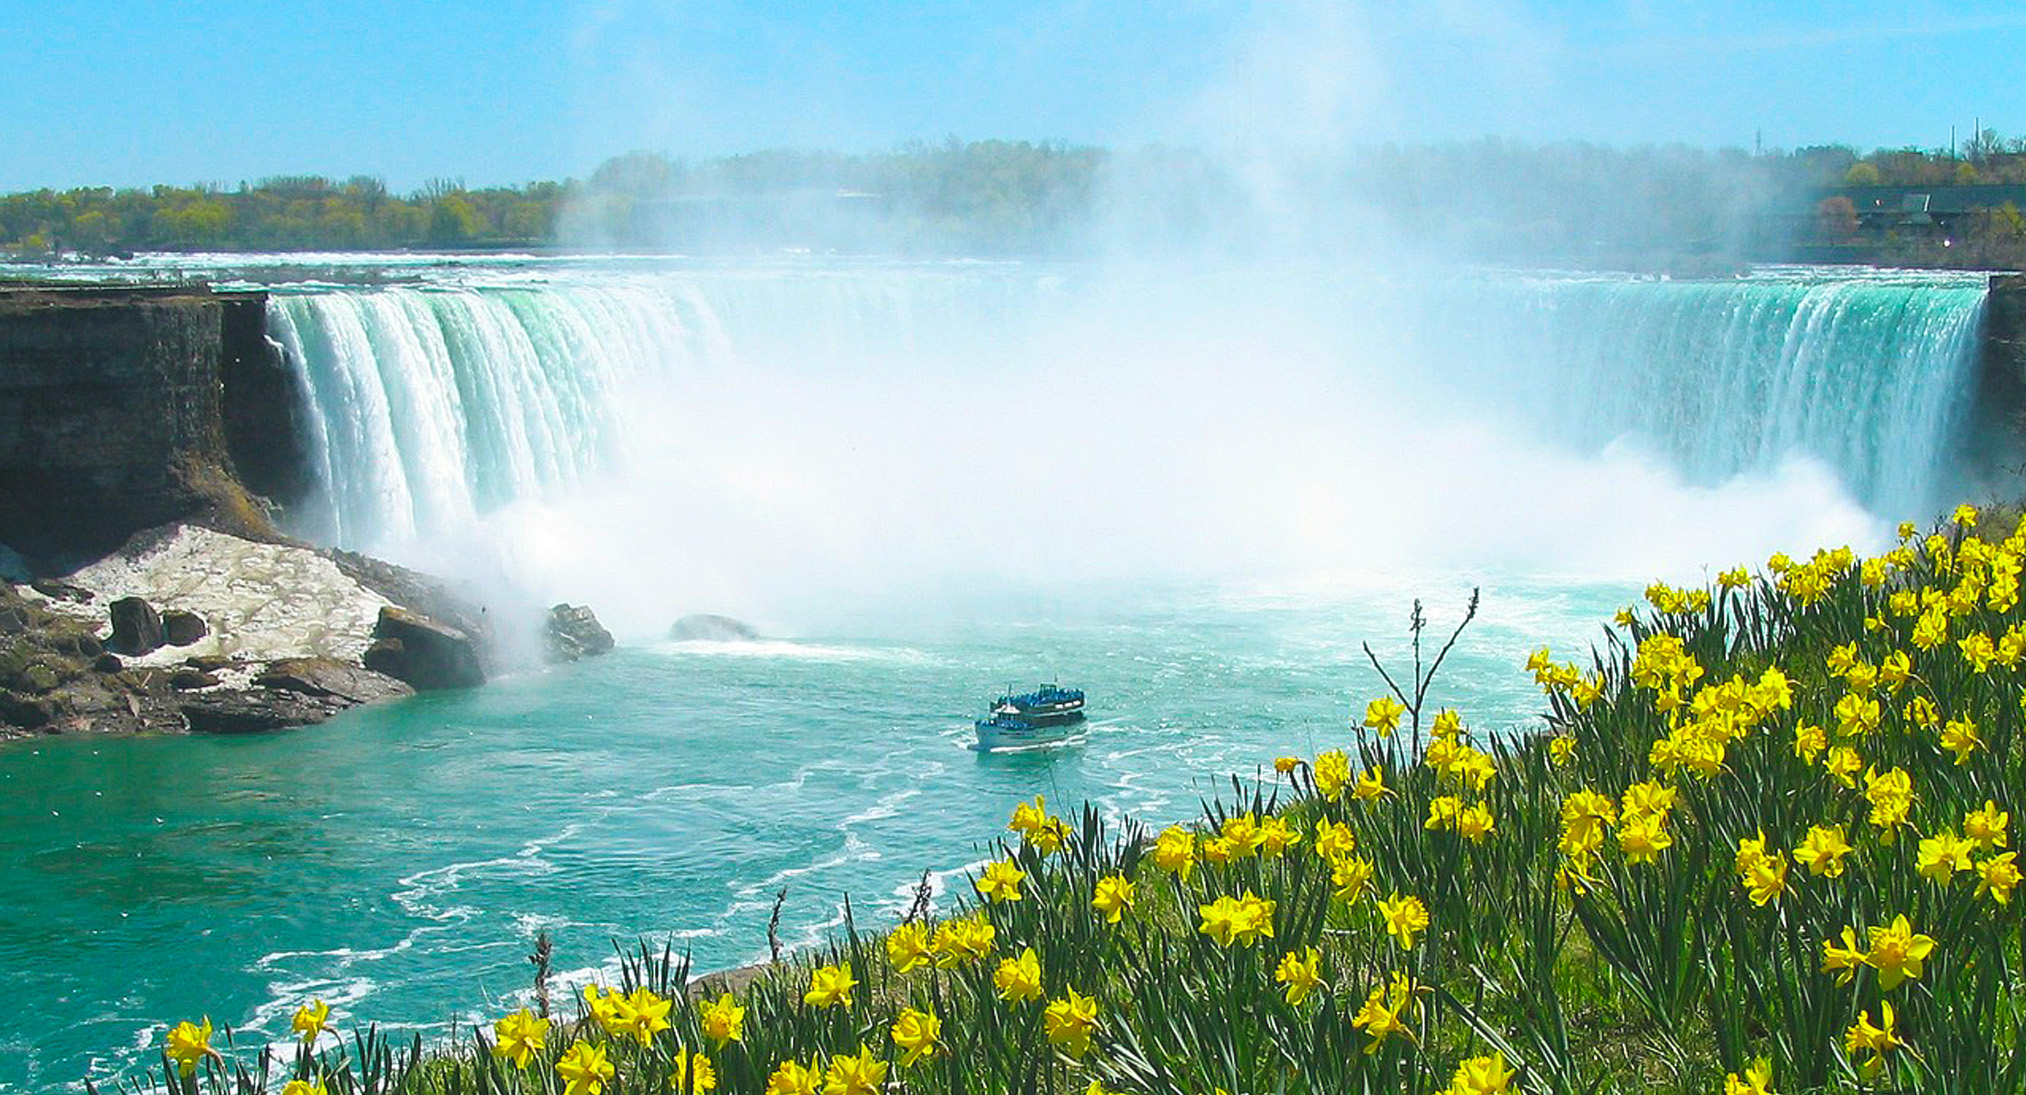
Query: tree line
{"x": 1490, "y": 198}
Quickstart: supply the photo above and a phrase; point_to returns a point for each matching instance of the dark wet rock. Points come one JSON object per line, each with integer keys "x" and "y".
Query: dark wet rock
{"x": 574, "y": 632}
{"x": 187, "y": 679}
{"x": 107, "y": 662}
{"x": 58, "y": 590}
{"x": 82, "y": 645}
{"x": 423, "y": 595}
{"x": 137, "y": 629}
{"x": 427, "y": 654}
{"x": 211, "y": 663}
{"x": 180, "y": 628}
{"x": 250, "y": 711}
{"x": 712, "y": 628}
{"x": 27, "y": 712}
{"x": 291, "y": 692}
{"x": 331, "y": 678}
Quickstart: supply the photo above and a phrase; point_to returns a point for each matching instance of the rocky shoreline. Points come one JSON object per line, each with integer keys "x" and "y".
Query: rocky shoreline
{"x": 148, "y": 437}
{"x": 189, "y": 629}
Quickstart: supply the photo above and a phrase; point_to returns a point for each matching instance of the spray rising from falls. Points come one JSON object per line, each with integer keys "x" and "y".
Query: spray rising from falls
{"x": 883, "y": 413}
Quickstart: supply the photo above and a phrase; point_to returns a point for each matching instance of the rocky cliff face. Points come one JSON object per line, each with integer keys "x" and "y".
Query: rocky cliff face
{"x": 113, "y": 415}
{"x": 1997, "y": 430}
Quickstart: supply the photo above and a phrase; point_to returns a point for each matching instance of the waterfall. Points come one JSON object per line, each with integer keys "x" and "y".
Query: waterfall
{"x": 438, "y": 403}
{"x": 1872, "y": 374}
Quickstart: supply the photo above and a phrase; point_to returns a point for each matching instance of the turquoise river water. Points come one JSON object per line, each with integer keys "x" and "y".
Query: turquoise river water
{"x": 1190, "y": 493}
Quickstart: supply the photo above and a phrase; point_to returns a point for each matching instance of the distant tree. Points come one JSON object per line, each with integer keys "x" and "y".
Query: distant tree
{"x": 1861, "y": 174}
{"x": 454, "y": 220}
{"x": 1966, "y": 175}
{"x": 1836, "y": 218}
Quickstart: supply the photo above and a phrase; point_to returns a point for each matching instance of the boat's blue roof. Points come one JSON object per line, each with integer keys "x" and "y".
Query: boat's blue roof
{"x": 1047, "y": 693}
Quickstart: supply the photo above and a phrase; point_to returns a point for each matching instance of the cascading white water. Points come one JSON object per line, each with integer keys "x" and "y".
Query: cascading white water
{"x": 1872, "y": 374}
{"x": 872, "y": 408}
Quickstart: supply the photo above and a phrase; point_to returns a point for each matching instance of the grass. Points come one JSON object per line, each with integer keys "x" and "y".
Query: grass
{"x": 1642, "y": 898}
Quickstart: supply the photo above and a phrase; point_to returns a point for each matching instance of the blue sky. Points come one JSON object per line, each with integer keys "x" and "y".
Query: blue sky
{"x": 141, "y": 91}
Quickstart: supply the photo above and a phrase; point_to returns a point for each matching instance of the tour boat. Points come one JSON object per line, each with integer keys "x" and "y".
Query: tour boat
{"x": 1046, "y": 715}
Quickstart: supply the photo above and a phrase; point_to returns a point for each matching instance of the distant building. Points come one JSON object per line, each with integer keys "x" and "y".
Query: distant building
{"x": 1929, "y": 210}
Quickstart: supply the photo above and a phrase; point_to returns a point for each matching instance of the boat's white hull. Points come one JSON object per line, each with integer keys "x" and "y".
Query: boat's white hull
{"x": 992, "y": 736}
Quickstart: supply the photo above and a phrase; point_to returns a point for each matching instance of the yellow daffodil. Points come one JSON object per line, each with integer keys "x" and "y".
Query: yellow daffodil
{"x": 1298, "y": 970}
{"x": 1843, "y": 958}
{"x": 1371, "y": 786}
{"x": 917, "y": 1034}
{"x": 723, "y": 1020}
{"x": 1277, "y": 835}
{"x": 1898, "y": 953}
{"x": 1113, "y": 897}
{"x": 1284, "y": 765}
{"x": 1997, "y": 877}
{"x": 1241, "y": 834}
{"x": 190, "y": 1043}
{"x": 1644, "y": 837}
{"x": 309, "y": 1021}
{"x": 830, "y": 986}
{"x": 692, "y": 1074}
{"x": 1405, "y": 917}
{"x": 793, "y": 1078}
{"x": 1891, "y": 796}
{"x": 1988, "y": 826}
{"x": 1475, "y": 823}
{"x": 1001, "y": 881}
{"x": 1233, "y": 920}
{"x": 1960, "y": 737}
{"x": 1384, "y": 1010}
{"x": 1332, "y": 772}
{"x": 1028, "y": 816}
{"x": 1561, "y": 750}
{"x": 1809, "y": 741}
{"x": 603, "y": 1007}
{"x": 305, "y": 1087}
{"x": 1879, "y": 1038}
{"x": 1333, "y": 839}
{"x": 1757, "y": 1079}
{"x": 1175, "y": 851}
{"x": 1047, "y": 837}
{"x": 642, "y": 1013}
{"x": 1070, "y": 1022}
{"x": 1442, "y": 811}
{"x": 1383, "y": 714}
{"x": 518, "y": 1037}
{"x": 907, "y": 947}
{"x": 584, "y": 1069}
{"x": 1351, "y": 877}
{"x": 1019, "y": 978}
{"x": 957, "y": 942}
{"x": 1486, "y": 1075}
{"x": 1941, "y": 856}
{"x": 863, "y": 1074}
{"x": 1822, "y": 850}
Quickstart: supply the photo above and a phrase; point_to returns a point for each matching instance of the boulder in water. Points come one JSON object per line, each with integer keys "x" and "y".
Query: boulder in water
{"x": 712, "y": 628}
{"x": 574, "y": 632}
{"x": 137, "y": 629}
{"x": 411, "y": 647}
{"x": 328, "y": 677}
{"x": 289, "y": 692}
